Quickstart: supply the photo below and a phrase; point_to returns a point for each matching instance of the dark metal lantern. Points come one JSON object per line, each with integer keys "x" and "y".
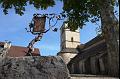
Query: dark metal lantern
{"x": 39, "y": 24}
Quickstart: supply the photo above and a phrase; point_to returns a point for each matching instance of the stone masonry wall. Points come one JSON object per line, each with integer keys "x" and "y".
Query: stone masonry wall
{"x": 27, "y": 68}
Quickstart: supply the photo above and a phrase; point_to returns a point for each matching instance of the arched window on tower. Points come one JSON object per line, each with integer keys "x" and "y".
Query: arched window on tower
{"x": 72, "y": 39}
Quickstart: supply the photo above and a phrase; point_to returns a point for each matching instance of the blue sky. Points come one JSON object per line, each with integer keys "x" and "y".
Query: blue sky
{"x": 12, "y": 28}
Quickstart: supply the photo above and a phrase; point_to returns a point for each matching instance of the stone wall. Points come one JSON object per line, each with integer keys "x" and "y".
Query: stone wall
{"x": 3, "y": 52}
{"x": 67, "y": 56}
{"x": 37, "y": 68}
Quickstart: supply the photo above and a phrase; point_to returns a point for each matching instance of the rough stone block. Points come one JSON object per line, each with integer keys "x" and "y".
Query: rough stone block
{"x": 27, "y": 68}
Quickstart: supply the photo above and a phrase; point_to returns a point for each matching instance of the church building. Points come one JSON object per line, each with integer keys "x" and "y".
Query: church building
{"x": 90, "y": 58}
{"x": 69, "y": 42}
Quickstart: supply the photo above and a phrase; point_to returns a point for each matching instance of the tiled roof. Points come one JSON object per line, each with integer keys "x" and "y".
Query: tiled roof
{"x": 90, "y": 43}
{"x": 17, "y": 51}
{"x": 93, "y": 41}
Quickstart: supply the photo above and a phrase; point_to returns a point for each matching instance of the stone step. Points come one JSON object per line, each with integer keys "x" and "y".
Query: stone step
{"x": 84, "y": 76}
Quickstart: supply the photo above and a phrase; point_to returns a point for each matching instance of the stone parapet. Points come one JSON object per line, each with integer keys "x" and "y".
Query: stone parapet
{"x": 27, "y": 68}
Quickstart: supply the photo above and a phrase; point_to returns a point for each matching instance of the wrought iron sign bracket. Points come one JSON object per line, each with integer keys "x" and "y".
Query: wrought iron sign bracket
{"x": 37, "y": 27}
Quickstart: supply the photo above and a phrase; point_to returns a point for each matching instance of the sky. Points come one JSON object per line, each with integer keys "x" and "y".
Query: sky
{"x": 12, "y": 28}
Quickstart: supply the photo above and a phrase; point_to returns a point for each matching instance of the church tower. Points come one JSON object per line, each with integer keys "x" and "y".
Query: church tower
{"x": 69, "y": 42}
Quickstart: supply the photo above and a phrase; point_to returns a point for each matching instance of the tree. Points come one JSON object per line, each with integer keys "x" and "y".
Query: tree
{"x": 81, "y": 11}
{"x": 19, "y": 5}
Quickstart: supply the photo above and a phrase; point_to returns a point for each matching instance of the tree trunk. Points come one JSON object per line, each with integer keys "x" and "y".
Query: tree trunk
{"x": 110, "y": 30}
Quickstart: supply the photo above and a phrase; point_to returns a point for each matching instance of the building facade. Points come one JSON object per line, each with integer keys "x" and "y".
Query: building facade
{"x": 90, "y": 58}
{"x": 69, "y": 41}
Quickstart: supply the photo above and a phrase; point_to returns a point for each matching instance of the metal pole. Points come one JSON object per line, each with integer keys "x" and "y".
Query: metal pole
{"x": 31, "y": 45}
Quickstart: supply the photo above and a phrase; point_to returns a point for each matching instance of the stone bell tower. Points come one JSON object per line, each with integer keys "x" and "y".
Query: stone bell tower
{"x": 69, "y": 41}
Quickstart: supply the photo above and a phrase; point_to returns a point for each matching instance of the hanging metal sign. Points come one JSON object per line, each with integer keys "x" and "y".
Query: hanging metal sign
{"x": 39, "y": 24}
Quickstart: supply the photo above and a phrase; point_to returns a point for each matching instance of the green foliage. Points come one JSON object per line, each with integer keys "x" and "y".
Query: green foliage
{"x": 78, "y": 11}
{"x": 19, "y": 5}
{"x": 81, "y": 11}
